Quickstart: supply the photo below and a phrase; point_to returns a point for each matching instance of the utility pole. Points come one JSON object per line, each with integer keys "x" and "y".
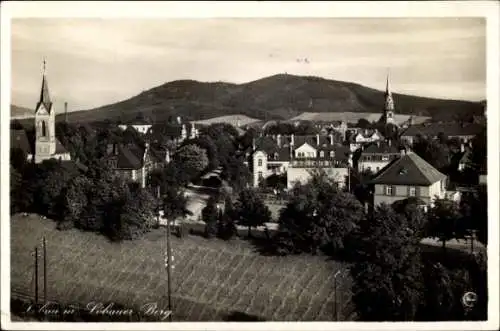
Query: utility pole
{"x": 66, "y": 112}
{"x": 36, "y": 276}
{"x": 44, "y": 270}
{"x": 169, "y": 271}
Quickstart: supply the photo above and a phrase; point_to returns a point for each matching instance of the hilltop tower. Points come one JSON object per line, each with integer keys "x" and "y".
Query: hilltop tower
{"x": 45, "y": 139}
{"x": 388, "y": 116}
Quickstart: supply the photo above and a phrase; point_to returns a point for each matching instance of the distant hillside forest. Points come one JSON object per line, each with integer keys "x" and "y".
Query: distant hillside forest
{"x": 277, "y": 97}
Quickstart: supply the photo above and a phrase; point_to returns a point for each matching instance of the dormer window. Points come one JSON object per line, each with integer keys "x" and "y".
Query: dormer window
{"x": 403, "y": 171}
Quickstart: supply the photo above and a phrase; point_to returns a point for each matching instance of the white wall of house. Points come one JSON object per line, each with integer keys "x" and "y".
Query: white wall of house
{"x": 305, "y": 150}
{"x": 259, "y": 167}
{"x": 401, "y": 192}
{"x": 302, "y": 175}
{"x": 374, "y": 166}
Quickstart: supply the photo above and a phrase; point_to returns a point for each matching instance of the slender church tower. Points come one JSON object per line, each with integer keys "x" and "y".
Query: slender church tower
{"x": 45, "y": 139}
{"x": 389, "y": 104}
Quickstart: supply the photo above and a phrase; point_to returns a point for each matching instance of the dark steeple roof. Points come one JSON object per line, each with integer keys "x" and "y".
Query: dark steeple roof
{"x": 44, "y": 93}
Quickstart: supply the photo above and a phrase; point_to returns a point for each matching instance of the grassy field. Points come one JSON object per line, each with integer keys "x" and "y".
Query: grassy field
{"x": 211, "y": 279}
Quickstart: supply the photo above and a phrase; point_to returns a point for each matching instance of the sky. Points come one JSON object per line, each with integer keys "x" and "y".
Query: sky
{"x": 93, "y": 62}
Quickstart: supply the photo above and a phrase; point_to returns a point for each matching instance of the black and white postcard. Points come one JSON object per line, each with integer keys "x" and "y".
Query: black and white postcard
{"x": 170, "y": 164}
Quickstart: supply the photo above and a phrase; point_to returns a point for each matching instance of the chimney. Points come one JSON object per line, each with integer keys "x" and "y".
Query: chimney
{"x": 278, "y": 140}
{"x": 317, "y": 140}
{"x": 253, "y": 144}
{"x": 331, "y": 138}
{"x": 462, "y": 148}
{"x": 292, "y": 140}
{"x": 178, "y": 120}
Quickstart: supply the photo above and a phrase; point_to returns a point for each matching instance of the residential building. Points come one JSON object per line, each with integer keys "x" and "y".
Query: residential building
{"x": 375, "y": 156}
{"x": 140, "y": 126}
{"x": 175, "y": 132}
{"x": 298, "y": 157}
{"x": 465, "y": 132}
{"x": 361, "y": 137}
{"x": 134, "y": 163}
{"x": 409, "y": 176}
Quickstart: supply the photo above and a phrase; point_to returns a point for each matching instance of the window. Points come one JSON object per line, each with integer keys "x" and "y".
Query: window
{"x": 412, "y": 191}
{"x": 321, "y": 154}
{"x": 389, "y": 190}
{"x": 260, "y": 174}
{"x": 385, "y": 158}
{"x": 259, "y": 163}
{"x": 332, "y": 153}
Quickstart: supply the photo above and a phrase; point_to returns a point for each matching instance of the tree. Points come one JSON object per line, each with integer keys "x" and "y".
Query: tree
{"x": 363, "y": 124}
{"x": 174, "y": 204}
{"x": 75, "y": 200}
{"x": 192, "y": 159}
{"x": 445, "y": 221}
{"x": 251, "y": 210}
{"x": 386, "y": 273}
{"x": 412, "y": 210}
{"x": 226, "y": 229}
{"x": 236, "y": 173}
{"x": 18, "y": 158}
{"x": 52, "y": 178}
{"x": 210, "y": 215}
{"x": 432, "y": 151}
{"x": 136, "y": 217}
{"x": 318, "y": 216}
{"x": 207, "y": 143}
{"x": 15, "y": 186}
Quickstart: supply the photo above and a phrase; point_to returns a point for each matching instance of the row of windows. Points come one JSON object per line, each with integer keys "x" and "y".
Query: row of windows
{"x": 310, "y": 163}
{"x": 311, "y": 154}
{"x": 376, "y": 158}
{"x": 391, "y": 190}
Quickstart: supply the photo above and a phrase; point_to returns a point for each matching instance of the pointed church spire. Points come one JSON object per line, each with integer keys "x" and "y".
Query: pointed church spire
{"x": 389, "y": 102}
{"x": 44, "y": 93}
{"x": 387, "y": 86}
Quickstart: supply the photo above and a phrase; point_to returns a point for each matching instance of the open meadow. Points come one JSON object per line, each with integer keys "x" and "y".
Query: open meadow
{"x": 211, "y": 278}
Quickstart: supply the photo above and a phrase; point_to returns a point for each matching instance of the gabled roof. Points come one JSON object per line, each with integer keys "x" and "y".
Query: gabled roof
{"x": 129, "y": 157}
{"x": 19, "y": 139}
{"x": 60, "y": 149}
{"x": 410, "y": 169}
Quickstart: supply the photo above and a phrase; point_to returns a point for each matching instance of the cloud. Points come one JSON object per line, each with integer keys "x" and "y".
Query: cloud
{"x": 97, "y": 61}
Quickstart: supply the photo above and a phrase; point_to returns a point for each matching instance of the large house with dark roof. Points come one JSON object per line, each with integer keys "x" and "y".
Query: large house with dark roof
{"x": 376, "y": 156}
{"x": 409, "y": 176}
{"x": 134, "y": 163}
{"x": 298, "y": 157}
{"x": 43, "y": 145}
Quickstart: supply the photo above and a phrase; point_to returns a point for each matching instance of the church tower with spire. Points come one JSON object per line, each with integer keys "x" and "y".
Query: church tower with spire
{"x": 45, "y": 138}
{"x": 388, "y": 116}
